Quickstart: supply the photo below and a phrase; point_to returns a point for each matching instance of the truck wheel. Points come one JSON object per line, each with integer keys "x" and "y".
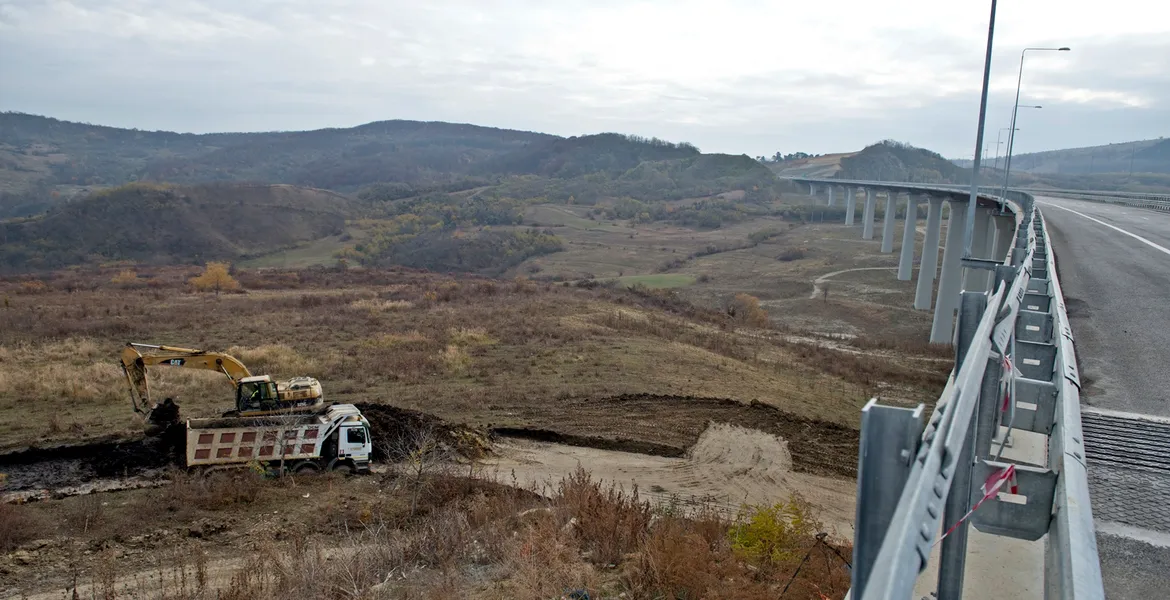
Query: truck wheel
{"x": 306, "y": 467}
{"x": 343, "y": 467}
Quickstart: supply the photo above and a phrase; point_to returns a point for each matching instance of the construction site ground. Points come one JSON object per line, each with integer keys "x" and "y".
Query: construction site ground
{"x": 526, "y": 379}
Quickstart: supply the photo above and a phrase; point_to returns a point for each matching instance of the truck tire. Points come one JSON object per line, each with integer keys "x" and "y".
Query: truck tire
{"x": 306, "y": 467}
{"x": 343, "y": 467}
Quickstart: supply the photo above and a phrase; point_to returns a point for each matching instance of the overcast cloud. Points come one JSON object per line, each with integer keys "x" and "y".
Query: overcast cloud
{"x": 750, "y": 76}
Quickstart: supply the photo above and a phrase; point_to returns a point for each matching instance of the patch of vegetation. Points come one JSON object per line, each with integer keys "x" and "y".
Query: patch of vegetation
{"x": 156, "y": 223}
{"x": 889, "y": 160}
{"x": 485, "y": 251}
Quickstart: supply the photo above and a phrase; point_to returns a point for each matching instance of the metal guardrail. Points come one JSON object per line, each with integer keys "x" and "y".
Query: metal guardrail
{"x": 1100, "y": 193}
{"x": 1015, "y": 371}
{"x": 1149, "y": 201}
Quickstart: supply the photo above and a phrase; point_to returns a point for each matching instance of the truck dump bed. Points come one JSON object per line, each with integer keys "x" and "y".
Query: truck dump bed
{"x": 238, "y": 440}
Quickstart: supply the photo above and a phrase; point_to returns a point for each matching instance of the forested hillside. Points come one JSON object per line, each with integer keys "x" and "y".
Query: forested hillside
{"x": 158, "y": 224}
{"x": 438, "y": 196}
{"x": 43, "y": 160}
{"x": 894, "y": 161}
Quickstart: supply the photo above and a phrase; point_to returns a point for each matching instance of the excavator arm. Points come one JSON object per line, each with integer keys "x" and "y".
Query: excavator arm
{"x": 134, "y": 364}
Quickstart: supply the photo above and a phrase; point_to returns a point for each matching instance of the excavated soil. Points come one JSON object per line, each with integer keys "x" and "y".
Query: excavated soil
{"x": 668, "y": 426}
{"x": 399, "y": 432}
{"x": 646, "y": 424}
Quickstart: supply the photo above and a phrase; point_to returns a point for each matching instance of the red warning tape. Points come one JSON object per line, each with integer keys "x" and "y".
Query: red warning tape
{"x": 1008, "y": 375}
{"x": 991, "y": 488}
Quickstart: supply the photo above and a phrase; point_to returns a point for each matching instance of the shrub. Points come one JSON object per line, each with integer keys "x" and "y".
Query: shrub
{"x": 18, "y": 525}
{"x": 35, "y": 286}
{"x": 215, "y": 278}
{"x": 772, "y": 535}
{"x": 792, "y": 254}
{"x": 746, "y": 309}
{"x": 126, "y": 278}
{"x": 609, "y": 521}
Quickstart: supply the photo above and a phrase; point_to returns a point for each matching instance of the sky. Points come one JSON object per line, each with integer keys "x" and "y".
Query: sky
{"x": 735, "y": 76}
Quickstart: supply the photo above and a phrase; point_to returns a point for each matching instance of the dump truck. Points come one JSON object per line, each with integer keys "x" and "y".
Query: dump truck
{"x": 256, "y": 395}
{"x": 334, "y": 439}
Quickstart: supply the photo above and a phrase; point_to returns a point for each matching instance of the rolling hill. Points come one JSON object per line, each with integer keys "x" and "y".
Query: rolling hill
{"x": 44, "y": 160}
{"x": 1138, "y": 166}
{"x": 887, "y": 160}
{"x": 430, "y": 195}
{"x": 157, "y": 224}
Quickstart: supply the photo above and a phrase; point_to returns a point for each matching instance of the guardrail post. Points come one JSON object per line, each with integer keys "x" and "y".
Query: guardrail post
{"x": 953, "y": 557}
{"x": 889, "y": 442}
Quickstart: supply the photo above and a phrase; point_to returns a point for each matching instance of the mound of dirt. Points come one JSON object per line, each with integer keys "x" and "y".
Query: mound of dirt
{"x": 747, "y": 451}
{"x": 667, "y": 425}
{"x": 399, "y": 432}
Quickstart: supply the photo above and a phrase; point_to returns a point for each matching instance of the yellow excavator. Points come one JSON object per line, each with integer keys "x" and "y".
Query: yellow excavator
{"x": 256, "y": 395}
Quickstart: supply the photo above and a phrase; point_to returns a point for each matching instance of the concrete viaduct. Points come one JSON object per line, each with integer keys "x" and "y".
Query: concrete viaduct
{"x": 993, "y": 237}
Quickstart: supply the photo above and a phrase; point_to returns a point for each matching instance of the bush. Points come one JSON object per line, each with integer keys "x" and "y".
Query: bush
{"x": 792, "y": 254}
{"x": 126, "y": 278}
{"x": 215, "y": 278}
{"x": 773, "y": 535}
{"x": 746, "y": 309}
{"x": 610, "y": 522}
{"x": 18, "y": 525}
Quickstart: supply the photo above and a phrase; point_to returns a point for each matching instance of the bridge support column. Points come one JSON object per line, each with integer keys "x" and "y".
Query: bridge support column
{"x": 928, "y": 271}
{"x": 830, "y": 195}
{"x": 975, "y": 280}
{"x": 888, "y": 222}
{"x": 867, "y": 218}
{"x": 1003, "y": 236}
{"x": 906, "y": 259}
{"x": 949, "y": 282}
{"x": 850, "y": 204}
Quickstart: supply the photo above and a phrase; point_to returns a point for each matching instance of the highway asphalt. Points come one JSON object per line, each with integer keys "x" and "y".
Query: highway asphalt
{"x": 1114, "y": 266}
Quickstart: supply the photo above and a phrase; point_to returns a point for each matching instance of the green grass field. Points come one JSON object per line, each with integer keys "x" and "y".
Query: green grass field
{"x": 317, "y": 253}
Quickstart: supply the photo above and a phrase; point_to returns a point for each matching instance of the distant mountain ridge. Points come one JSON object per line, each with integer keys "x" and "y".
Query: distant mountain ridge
{"x": 390, "y": 192}
{"x": 1137, "y": 166}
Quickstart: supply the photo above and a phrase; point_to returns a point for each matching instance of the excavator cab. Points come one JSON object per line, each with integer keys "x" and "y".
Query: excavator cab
{"x": 256, "y": 394}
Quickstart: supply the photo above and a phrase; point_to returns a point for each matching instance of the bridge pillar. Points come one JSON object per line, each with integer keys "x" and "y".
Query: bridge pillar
{"x": 867, "y": 218}
{"x": 906, "y": 259}
{"x": 850, "y": 204}
{"x": 928, "y": 271}
{"x": 975, "y": 280}
{"x": 1003, "y": 236}
{"x": 830, "y": 195}
{"x": 949, "y": 282}
{"x": 888, "y": 221}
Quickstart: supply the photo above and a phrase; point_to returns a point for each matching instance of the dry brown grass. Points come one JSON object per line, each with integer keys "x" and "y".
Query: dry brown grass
{"x": 477, "y": 539}
{"x": 19, "y": 524}
{"x": 465, "y": 349}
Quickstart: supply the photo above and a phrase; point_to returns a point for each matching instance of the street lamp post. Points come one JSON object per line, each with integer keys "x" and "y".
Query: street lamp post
{"x": 1007, "y": 170}
{"x": 998, "y": 143}
{"x": 970, "y": 232}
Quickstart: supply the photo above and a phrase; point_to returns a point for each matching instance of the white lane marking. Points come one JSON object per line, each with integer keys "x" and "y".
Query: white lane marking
{"x": 1149, "y": 536}
{"x": 1115, "y": 228}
